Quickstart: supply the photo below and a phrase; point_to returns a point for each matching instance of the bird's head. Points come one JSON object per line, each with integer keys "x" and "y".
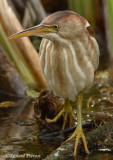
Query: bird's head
{"x": 61, "y": 24}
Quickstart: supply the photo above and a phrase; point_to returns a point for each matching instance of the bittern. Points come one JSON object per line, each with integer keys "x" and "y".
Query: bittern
{"x": 69, "y": 56}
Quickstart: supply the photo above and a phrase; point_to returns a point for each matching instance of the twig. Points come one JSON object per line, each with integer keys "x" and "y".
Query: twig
{"x": 69, "y": 130}
{"x": 99, "y": 114}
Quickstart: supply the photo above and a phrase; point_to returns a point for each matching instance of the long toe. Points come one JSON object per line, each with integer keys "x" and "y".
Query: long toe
{"x": 64, "y": 121}
{"x": 85, "y": 143}
{"x": 78, "y": 133}
{"x": 67, "y": 116}
{"x": 56, "y": 118}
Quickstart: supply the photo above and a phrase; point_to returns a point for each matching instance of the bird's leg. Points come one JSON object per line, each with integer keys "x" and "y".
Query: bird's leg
{"x": 66, "y": 112}
{"x": 78, "y": 133}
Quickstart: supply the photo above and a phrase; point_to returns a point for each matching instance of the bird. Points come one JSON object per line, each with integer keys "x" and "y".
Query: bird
{"x": 69, "y": 57}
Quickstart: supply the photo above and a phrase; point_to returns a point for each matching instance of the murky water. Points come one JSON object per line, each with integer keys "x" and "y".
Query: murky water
{"x": 19, "y": 131}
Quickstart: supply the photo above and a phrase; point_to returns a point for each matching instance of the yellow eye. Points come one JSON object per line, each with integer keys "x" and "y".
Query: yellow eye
{"x": 55, "y": 26}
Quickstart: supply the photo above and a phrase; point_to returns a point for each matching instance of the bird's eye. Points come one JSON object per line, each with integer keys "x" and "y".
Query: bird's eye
{"x": 55, "y": 27}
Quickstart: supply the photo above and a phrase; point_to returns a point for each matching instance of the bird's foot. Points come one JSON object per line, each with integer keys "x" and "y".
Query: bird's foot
{"x": 78, "y": 133}
{"x": 66, "y": 112}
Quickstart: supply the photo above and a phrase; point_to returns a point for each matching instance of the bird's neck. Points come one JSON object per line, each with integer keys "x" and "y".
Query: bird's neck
{"x": 59, "y": 41}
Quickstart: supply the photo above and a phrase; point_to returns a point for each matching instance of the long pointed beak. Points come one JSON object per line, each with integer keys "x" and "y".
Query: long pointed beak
{"x": 38, "y": 30}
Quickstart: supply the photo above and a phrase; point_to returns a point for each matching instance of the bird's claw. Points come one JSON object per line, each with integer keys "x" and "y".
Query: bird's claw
{"x": 66, "y": 113}
{"x": 78, "y": 133}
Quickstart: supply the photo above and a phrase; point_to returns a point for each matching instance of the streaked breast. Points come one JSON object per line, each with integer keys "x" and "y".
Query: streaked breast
{"x": 68, "y": 67}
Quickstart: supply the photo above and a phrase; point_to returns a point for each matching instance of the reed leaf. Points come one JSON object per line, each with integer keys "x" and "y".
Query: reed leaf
{"x": 85, "y": 8}
{"x": 110, "y": 14}
{"x": 16, "y": 57}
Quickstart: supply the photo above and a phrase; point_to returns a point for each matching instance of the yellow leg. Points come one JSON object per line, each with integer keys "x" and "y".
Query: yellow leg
{"x": 66, "y": 112}
{"x": 78, "y": 133}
